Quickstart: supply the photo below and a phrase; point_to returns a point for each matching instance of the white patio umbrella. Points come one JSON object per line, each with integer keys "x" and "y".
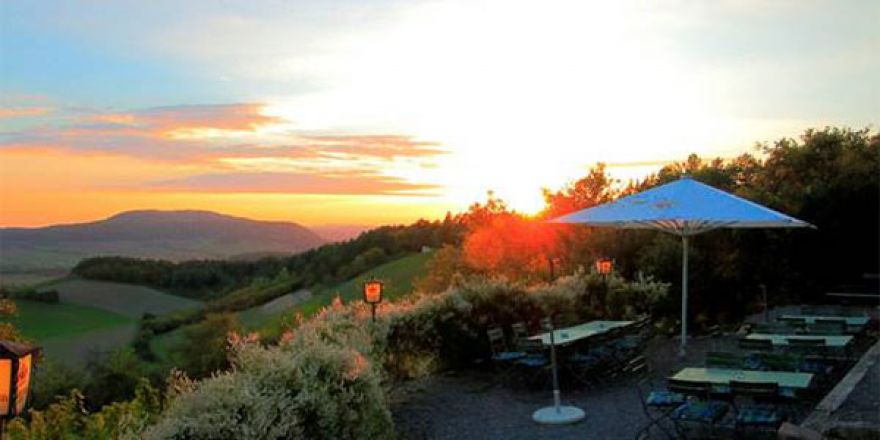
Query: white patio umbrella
{"x": 684, "y": 208}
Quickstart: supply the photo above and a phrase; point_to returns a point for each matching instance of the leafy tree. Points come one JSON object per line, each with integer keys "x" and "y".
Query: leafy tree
{"x": 203, "y": 349}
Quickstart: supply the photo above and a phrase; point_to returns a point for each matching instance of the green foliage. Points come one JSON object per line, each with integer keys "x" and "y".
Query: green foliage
{"x": 328, "y": 264}
{"x": 68, "y": 418}
{"x": 202, "y": 350}
{"x": 448, "y": 330}
{"x": 113, "y": 377}
{"x": 317, "y": 385}
{"x": 398, "y": 275}
{"x": 53, "y": 380}
{"x": 441, "y": 269}
{"x": 829, "y": 178}
{"x": 31, "y": 294}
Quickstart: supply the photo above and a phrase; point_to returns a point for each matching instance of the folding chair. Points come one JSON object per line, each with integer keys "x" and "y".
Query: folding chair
{"x": 778, "y": 361}
{"x": 723, "y": 359}
{"x": 814, "y": 346}
{"x": 761, "y": 412}
{"x": 755, "y": 344}
{"x": 519, "y": 331}
{"x": 534, "y": 367}
{"x": 773, "y": 327}
{"x": 701, "y": 411}
{"x": 502, "y": 358}
{"x": 793, "y": 321}
{"x": 828, "y": 327}
{"x": 657, "y": 405}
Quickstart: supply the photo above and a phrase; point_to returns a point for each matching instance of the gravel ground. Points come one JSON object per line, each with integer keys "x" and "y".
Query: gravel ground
{"x": 472, "y": 406}
{"x": 863, "y": 404}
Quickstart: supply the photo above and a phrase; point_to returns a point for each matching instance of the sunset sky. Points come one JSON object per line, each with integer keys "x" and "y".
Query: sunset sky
{"x": 368, "y": 112}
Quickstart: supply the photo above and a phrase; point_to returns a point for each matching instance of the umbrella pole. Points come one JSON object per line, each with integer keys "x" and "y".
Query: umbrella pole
{"x": 684, "y": 293}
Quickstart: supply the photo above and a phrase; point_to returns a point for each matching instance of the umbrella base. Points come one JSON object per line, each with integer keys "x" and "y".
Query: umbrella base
{"x": 561, "y": 415}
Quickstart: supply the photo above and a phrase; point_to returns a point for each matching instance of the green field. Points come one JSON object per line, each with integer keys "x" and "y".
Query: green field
{"x": 125, "y": 299}
{"x": 397, "y": 275}
{"x": 92, "y": 316}
{"x": 71, "y": 332}
{"x": 41, "y": 321}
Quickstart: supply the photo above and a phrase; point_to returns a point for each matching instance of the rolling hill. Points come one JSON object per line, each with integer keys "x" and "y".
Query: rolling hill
{"x": 398, "y": 276}
{"x": 170, "y": 235}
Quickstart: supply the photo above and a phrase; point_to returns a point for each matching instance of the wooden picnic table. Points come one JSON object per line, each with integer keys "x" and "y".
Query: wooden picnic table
{"x": 568, "y": 335}
{"x": 834, "y": 341}
{"x": 722, "y": 376}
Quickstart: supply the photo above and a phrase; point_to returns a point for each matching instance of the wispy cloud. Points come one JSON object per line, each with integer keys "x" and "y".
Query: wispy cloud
{"x": 235, "y": 148}
{"x": 351, "y": 183}
{"x": 20, "y": 112}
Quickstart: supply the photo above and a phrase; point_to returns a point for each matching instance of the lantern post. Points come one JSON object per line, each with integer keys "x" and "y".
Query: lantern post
{"x": 16, "y": 366}
{"x": 604, "y": 266}
{"x": 373, "y": 294}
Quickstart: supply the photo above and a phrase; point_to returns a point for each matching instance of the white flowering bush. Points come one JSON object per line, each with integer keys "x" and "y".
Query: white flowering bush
{"x": 319, "y": 383}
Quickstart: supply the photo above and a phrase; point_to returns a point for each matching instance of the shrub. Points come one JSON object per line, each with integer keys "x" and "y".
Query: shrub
{"x": 316, "y": 385}
{"x": 68, "y": 418}
{"x": 203, "y": 348}
{"x": 448, "y": 330}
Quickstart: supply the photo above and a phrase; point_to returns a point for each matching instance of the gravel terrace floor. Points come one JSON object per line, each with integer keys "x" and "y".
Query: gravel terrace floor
{"x": 863, "y": 404}
{"x": 473, "y": 406}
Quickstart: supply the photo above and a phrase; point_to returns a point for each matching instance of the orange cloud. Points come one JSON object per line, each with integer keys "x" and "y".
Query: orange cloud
{"x": 275, "y": 162}
{"x": 343, "y": 183}
{"x": 175, "y": 121}
{"x": 20, "y": 112}
{"x": 384, "y": 146}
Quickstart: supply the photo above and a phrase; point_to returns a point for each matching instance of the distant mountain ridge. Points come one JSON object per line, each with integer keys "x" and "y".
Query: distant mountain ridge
{"x": 173, "y": 235}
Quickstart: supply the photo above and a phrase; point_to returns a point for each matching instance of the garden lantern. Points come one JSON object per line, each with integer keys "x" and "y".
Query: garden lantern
{"x": 373, "y": 294}
{"x": 16, "y": 362}
{"x": 604, "y": 266}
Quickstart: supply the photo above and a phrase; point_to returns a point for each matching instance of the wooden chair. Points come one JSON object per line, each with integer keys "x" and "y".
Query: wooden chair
{"x": 755, "y": 344}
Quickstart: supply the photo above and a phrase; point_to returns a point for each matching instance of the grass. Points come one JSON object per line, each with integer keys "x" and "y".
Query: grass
{"x": 124, "y": 299}
{"x": 268, "y": 318}
{"x": 71, "y": 332}
{"x": 41, "y": 321}
{"x": 161, "y": 345}
{"x": 398, "y": 276}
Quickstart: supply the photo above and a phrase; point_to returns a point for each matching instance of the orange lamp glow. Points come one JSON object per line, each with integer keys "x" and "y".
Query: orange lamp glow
{"x": 16, "y": 361}
{"x": 373, "y": 292}
{"x": 604, "y": 266}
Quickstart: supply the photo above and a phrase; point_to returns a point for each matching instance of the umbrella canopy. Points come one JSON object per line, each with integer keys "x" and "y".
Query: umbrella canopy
{"x": 685, "y": 208}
